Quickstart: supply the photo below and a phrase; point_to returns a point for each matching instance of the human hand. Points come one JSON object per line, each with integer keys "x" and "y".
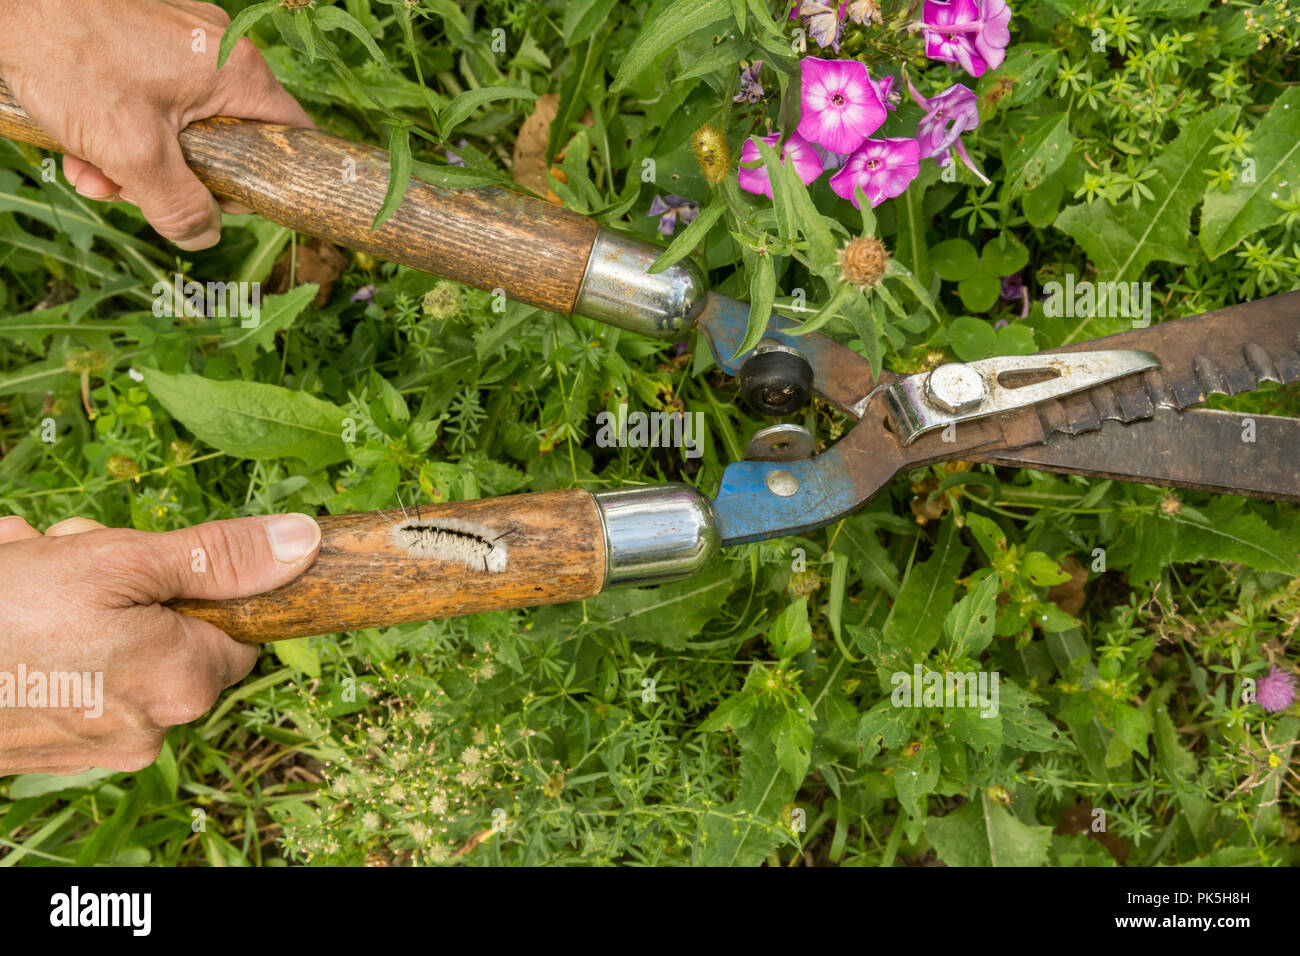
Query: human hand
{"x": 85, "y": 600}
{"x": 115, "y": 81}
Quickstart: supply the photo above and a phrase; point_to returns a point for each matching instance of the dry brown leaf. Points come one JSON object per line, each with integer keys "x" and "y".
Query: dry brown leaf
{"x": 316, "y": 261}
{"x": 528, "y": 165}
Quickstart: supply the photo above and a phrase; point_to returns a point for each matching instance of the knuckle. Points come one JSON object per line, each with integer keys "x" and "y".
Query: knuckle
{"x": 216, "y": 14}
{"x": 137, "y": 756}
{"x": 189, "y": 699}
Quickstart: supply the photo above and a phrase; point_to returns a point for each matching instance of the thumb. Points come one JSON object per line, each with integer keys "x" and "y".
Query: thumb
{"x": 220, "y": 560}
{"x": 153, "y": 175}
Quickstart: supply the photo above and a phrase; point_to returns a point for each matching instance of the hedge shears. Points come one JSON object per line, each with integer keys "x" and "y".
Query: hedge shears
{"x": 1122, "y": 407}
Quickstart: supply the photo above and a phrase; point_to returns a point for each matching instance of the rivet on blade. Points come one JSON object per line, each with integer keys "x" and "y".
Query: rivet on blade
{"x": 782, "y": 483}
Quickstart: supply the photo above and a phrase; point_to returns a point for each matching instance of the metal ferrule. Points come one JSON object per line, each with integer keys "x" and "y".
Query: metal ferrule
{"x": 656, "y": 533}
{"x": 617, "y": 289}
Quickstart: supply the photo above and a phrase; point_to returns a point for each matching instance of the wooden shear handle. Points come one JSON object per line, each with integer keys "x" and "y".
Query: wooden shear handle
{"x": 387, "y": 567}
{"x": 324, "y": 186}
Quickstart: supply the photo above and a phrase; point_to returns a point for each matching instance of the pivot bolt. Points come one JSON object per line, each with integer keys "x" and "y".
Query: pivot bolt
{"x": 956, "y": 388}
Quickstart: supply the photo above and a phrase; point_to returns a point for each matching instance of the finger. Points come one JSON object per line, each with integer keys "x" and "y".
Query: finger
{"x": 14, "y": 528}
{"x": 219, "y": 560}
{"x": 212, "y": 644}
{"x": 73, "y": 167}
{"x": 72, "y": 526}
{"x": 93, "y": 184}
{"x": 153, "y": 173}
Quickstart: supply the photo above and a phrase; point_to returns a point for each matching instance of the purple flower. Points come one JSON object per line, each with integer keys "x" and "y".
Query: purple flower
{"x": 750, "y": 90}
{"x": 839, "y": 106}
{"x": 973, "y": 33}
{"x": 797, "y": 150}
{"x": 1013, "y": 290}
{"x": 671, "y": 210}
{"x": 454, "y": 159}
{"x": 882, "y": 167}
{"x": 884, "y": 90}
{"x": 365, "y": 294}
{"x": 947, "y": 116}
{"x": 1276, "y": 691}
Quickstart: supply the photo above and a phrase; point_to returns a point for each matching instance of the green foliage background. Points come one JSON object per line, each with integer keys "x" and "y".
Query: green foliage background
{"x": 532, "y": 737}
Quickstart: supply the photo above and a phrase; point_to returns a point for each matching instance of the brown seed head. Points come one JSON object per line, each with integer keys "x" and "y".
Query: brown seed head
{"x": 863, "y": 261}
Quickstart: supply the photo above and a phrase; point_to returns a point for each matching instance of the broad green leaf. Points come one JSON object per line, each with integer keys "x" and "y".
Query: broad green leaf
{"x": 954, "y": 259}
{"x": 252, "y": 419}
{"x": 583, "y": 17}
{"x": 1037, "y": 154}
{"x": 1274, "y": 152}
{"x": 298, "y": 654}
{"x": 240, "y": 24}
{"x": 679, "y": 21}
{"x": 914, "y": 778}
{"x": 969, "y": 625}
{"x": 982, "y": 833}
{"x": 884, "y": 725}
{"x": 1131, "y": 727}
{"x": 668, "y": 615}
{"x": 794, "y": 744}
{"x": 1023, "y": 726}
{"x": 971, "y": 338}
{"x": 1121, "y": 240}
{"x": 791, "y": 633}
{"x": 979, "y": 292}
{"x": 1004, "y": 255}
{"x": 277, "y": 314}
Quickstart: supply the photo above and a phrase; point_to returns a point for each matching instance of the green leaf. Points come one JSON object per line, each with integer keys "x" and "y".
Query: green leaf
{"x": 915, "y": 777}
{"x": 298, "y": 654}
{"x": 1004, "y": 255}
{"x": 979, "y": 292}
{"x": 791, "y": 633}
{"x": 680, "y": 20}
{"x": 252, "y": 419}
{"x": 985, "y": 834}
{"x": 459, "y": 109}
{"x": 583, "y": 17}
{"x": 334, "y": 18}
{"x": 240, "y": 24}
{"x": 969, "y": 625}
{"x": 954, "y": 259}
{"x": 972, "y": 338}
{"x": 916, "y": 619}
{"x": 1232, "y": 534}
{"x": 684, "y": 242}
{"x": 884, "y": 725}
{"x": 1274, "y": 148}
{"x": 732, "y": 714}
{"x": 1037, "y": 154}
{"x": 1023, "y": 726}
{"x": 1131, "y": 727}
{"x": 794, "y": 744}
{"x": 276, "y": 315}
{"x": 399, "y": 172}
{"x": 1121, "y": 240}
{"x": 762, "y": 291}
{"x": 1042, "y": 571}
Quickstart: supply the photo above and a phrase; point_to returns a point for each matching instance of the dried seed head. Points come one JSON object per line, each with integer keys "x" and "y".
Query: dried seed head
{"x": 1000, "y": 795}
{"x": 710, "y": 148}
{"x": 297, "y": 4}
{"x": 1171, "y": 504}
{"x": 863, "y": 261}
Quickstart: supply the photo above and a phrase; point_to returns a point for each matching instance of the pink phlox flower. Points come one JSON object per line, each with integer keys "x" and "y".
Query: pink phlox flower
{"x": 839, "y": 107}
{"x": 797, "y": 150}
{"x": 947, "y": 116}
{"x": 882, "y": 167}
{"x": 973, "y": 33}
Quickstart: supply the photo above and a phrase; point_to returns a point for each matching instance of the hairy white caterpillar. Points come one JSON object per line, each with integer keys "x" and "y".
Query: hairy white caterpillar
{"x": 451, "y": 539}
